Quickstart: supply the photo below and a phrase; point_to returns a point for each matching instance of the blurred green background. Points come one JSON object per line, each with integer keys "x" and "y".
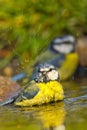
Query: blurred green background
{"x": 27, "y": 26}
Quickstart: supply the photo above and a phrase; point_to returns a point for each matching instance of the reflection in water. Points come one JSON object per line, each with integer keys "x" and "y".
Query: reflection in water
{"x": 67, "y": 115}
{"x": 50, "y": 116}
{"x": 43, "y": 117}
{"x": 12, "y": 118}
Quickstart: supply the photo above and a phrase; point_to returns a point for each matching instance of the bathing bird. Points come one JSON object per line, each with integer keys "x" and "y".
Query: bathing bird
{"x": 46, "y": 87}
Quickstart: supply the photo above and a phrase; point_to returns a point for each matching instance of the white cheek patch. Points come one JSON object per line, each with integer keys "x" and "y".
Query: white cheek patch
{"x": 63, "y": 48}
{"x": 53, "y": 75}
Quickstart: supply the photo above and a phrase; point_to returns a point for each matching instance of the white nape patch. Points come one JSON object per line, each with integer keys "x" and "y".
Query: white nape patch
{"x": 52, "y": 75}
{"x": 64, "y": 48}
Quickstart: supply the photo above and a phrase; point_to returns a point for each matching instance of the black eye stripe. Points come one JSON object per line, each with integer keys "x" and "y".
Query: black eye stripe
{"x": 39, "y": 71}
{"x": 50, "y": 69}
{"x": 46, "y": 71}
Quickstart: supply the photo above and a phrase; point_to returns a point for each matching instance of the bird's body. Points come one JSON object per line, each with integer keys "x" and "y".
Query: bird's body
{"x": 48, "y": 92}
{"x": 56, "y": 51}
{"x": 48, "y": 88}
{"x": 49, "y": 56}
{"x": 62, "y": 56}
{"x": 69, "y": 66}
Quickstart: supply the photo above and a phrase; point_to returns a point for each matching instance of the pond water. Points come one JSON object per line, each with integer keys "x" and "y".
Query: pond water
{"x": 70, "y": 114}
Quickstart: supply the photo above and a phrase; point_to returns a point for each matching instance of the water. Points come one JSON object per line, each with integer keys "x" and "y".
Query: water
{"x": 70, "y": 114}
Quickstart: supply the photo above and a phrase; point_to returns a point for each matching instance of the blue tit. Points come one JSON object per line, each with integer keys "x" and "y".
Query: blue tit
{"x": 66, "y": 45}
{"x": 60, "y": 53}
{"x": 45, "y": 89}
{"x": 65, "y": 59}
{"x": 56, "y": 51}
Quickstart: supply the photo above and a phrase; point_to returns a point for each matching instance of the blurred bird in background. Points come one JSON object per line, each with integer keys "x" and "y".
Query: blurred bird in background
{"x": 62, "y": 55}
{"x": 67, "y": 54}
{"x": 45, "y": 89}
{"x": 70, "y": 63}
{"x": 55, "y": 53}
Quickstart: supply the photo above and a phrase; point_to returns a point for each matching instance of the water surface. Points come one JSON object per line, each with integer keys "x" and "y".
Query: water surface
{"x": 66, "y": 115}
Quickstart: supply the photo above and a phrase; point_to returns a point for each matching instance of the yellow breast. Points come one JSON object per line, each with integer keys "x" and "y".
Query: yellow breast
{"x": 48, "y": 92}
{"x": 69, "y": 66}
{"x": 51, "y": 90}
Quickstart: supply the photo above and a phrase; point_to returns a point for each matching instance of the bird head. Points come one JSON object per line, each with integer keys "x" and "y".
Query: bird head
{"x": 63, "y": 44}
{"x": 45, "y": 73}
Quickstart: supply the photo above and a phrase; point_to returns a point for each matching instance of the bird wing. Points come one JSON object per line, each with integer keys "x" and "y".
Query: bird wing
{"x": 28, "y": 93}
